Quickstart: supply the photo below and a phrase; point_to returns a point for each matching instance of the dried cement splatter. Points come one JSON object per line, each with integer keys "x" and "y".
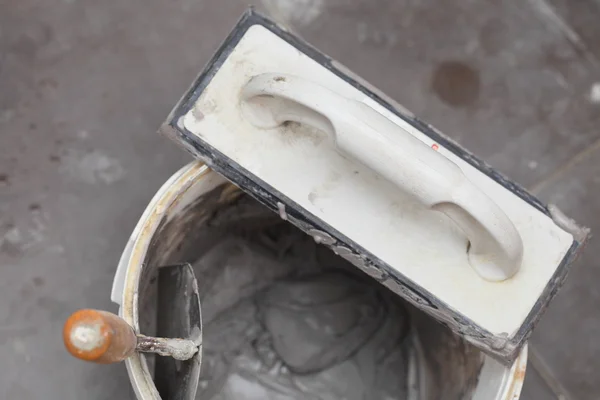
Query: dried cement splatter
{"x": 93, "y": 168}
{"x": 595, "y": 93}
{"x": 295, "y": 12}
{"x": 18, "y": 239}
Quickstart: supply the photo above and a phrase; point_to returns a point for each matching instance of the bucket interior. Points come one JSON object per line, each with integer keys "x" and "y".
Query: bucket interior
{"x": 286, "y": 318}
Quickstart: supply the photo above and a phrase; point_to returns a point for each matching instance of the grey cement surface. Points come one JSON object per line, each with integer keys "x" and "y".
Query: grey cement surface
{"x": 84, "y": 85}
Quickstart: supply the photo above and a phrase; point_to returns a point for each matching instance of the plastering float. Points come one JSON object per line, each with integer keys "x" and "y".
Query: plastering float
{"x": 363, "y": 176}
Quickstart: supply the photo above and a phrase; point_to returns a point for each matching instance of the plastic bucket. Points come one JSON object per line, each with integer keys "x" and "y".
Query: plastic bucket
{"x": 179, "y": 225}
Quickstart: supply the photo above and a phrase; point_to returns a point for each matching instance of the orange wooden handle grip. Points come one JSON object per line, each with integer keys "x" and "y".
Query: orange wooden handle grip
{"x": 99, "y": 336}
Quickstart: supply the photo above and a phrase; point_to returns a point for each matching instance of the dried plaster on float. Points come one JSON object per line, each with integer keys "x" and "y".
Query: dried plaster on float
{"x": 282, "y": 213}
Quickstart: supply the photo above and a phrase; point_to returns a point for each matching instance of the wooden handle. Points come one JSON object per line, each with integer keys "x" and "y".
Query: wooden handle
{"x": 99, "y": 336}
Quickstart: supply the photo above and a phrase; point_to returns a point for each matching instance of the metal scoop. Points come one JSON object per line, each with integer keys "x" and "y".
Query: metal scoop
{"x": 105, "y": 338}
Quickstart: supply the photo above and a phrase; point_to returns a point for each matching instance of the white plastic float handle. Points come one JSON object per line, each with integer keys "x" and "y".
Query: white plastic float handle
{"x": 362, "y": 133}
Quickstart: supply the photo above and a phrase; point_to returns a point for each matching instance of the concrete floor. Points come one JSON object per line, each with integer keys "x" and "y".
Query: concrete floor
{"x": 84, "y": 85}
